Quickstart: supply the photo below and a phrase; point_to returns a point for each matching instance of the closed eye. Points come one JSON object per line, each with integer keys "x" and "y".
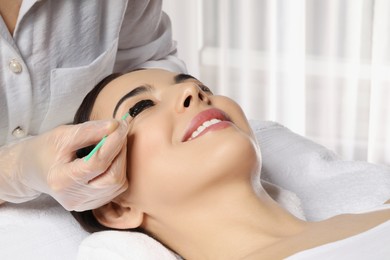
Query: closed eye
{"x": 140, "y": 106}
{"x": 205, "y": 89}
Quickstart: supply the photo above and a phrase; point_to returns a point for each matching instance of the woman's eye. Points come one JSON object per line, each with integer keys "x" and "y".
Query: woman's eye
{"x": 140, "y": 106}
{"x": 205, "y": 89}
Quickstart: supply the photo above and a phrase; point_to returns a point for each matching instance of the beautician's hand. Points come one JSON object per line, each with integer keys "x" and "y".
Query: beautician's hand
{"x": 48, "y": 164}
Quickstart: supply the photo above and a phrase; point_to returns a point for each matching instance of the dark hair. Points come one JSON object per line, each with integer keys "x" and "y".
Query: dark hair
{"x": 86, "y": 218}
{"x": 83, "y": 113}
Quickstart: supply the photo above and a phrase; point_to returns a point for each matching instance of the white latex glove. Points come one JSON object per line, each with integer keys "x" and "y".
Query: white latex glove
{"x": 48, "y": 164}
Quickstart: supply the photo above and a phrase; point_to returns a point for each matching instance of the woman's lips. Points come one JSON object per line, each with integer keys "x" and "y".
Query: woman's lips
{"x": 211, "y": 119}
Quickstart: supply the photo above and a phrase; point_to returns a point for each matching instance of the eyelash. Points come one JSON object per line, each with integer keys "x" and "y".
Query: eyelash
{"x": 205, "y": 89}
{"x": 140, "y": 106}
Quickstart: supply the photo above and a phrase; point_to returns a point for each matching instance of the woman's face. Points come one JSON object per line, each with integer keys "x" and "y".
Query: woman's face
{"x": 183, "y": 140}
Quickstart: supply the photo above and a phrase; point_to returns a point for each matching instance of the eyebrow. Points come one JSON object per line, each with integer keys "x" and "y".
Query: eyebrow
{"x": 137, "y": 91}
{"x": 179, "y": 78}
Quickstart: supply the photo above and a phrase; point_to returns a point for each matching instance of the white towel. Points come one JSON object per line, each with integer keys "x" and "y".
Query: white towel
{"x": 39, "y": 229}
{"x": 121, "y": 245}
{"x": 326, "y": 184}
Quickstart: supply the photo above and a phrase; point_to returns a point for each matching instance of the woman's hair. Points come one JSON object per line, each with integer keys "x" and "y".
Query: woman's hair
{"x": 86, "y": 218}
{"x": 84, "y": 111}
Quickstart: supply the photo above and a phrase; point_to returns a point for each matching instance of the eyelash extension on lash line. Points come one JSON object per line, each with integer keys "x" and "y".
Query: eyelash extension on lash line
{"x": 140, "y": 106}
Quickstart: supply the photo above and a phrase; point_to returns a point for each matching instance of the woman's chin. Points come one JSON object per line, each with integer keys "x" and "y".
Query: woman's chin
{"x": 235, "y": 152}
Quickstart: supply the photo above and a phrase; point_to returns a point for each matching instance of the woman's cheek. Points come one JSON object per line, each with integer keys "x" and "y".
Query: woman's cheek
{"x": 235, "y": 111}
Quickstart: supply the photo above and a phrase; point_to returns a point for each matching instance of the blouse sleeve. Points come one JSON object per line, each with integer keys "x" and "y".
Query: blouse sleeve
{"x": 145, "y": 39}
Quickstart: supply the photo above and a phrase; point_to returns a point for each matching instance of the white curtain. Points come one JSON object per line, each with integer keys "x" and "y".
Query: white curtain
{"x": 319, "y": 67}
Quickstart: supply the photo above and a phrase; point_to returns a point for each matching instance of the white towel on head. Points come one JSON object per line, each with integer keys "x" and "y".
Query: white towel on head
{"x": 326, "y": 185}
{"x": 285, "y": 198}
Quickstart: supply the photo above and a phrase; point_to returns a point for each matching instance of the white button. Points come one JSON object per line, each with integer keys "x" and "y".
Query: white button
{"x": 18, "y": 132}
{"x": 15, "y": 66}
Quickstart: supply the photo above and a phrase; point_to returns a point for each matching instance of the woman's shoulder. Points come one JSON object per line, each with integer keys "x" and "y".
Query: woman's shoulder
{"x": 337, "y": 236}
{"x": 370, "y": 244}
{"x": 348, "y": 236}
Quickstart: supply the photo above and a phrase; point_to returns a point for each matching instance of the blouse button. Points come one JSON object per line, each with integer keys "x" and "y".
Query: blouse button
{"x": 18, "y": 132}
{"x": 15, "y": 66}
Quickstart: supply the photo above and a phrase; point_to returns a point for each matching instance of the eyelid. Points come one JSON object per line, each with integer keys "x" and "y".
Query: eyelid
{"x": 205, "y": 88}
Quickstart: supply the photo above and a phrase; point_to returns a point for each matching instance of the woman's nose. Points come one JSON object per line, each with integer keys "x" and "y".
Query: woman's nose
{"x": 191, "y": 95}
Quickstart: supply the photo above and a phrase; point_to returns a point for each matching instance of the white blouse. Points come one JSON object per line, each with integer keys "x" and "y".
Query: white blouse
{"x": 61, "y": 49}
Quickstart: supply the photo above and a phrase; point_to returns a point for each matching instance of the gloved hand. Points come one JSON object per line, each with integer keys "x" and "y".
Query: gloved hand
{"x": 48, "y": 164}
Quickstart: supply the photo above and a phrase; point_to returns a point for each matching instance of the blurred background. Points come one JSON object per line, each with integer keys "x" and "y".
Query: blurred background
{"x": 321, "y": 68}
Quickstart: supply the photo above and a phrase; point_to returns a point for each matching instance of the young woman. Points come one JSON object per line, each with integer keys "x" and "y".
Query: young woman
{"x": 193, "y": 172}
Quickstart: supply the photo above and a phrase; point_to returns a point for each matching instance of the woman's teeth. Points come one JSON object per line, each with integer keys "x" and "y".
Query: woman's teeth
{"x": 202, "y": 127}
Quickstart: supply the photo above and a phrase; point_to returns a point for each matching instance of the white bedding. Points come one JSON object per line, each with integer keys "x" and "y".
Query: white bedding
{"x": 325, "y": 185}
{"x": 40, "y": 229}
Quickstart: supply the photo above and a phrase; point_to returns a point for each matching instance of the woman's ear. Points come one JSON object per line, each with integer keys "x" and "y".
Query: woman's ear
{"x": 117, "y": 216}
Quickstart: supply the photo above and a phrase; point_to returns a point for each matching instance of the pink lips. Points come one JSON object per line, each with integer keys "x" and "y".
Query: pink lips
{"x": 204, "y": 116}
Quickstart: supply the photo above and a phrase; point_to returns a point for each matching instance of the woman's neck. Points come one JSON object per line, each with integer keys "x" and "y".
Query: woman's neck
{"x": 9, "y": 10}
{"x": 226, "y": 225}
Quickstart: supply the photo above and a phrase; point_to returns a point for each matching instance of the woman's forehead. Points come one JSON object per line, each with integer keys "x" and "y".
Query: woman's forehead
{"x": 154, "y": 77}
